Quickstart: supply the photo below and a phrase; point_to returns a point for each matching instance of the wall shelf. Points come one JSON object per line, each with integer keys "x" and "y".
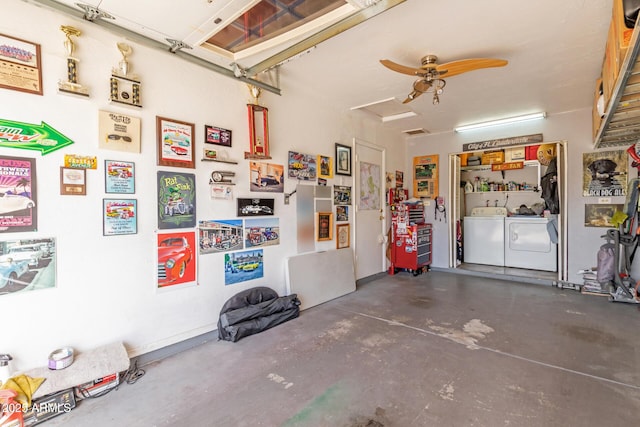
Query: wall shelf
{"x": 620, "y": 125}
{"x": 232, "y": 162}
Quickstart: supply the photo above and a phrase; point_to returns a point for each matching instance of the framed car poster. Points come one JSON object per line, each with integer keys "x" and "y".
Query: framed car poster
{"x": 119, "y": 216}
{"x": 18, "y": 207}
{"x": 302, "y": 166}
{"x": 266, "y": 177}
{"x": 216, "y": 135}
{"x": 176, "y": 259}
{"x": 255, "y": 207}
{"x": 175, "y": 143}
{"x": 119, "y": 177}
{"x": 176, "y": 200}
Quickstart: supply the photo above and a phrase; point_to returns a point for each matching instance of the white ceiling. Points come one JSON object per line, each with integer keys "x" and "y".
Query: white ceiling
{"x": 554, "y": 48}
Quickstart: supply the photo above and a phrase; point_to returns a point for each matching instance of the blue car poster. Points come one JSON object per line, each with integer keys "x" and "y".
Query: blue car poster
{"x": 243, "y": 266}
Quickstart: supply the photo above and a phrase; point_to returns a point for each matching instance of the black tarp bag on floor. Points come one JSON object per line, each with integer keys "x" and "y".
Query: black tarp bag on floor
{"x": 255, "y": 310}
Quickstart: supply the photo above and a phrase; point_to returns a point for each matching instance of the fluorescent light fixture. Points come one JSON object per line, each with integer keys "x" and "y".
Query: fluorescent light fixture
{"x": 399, "y": 116}
{"x": 501, "y": 122}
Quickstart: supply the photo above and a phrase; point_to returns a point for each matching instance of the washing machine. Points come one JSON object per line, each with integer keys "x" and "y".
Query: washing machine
{"x": 528, "y": 244}
{"x": 483, "y": 236}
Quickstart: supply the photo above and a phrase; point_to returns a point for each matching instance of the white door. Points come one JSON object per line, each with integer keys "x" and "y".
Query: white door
{"x": 369, "y": 205}
{"x": 455, "y": 210}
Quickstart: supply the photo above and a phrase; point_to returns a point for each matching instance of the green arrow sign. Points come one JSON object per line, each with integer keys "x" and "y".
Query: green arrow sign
{"x": 31, "y": 136}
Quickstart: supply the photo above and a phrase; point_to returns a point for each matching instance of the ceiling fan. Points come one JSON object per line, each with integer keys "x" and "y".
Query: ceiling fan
{"x": 430, "y": 73}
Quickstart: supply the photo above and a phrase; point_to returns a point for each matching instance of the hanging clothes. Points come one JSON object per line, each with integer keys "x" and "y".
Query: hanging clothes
{"x": 549, "y": 184}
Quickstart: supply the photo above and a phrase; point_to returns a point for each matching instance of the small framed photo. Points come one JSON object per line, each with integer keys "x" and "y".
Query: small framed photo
{"x": 119, "y": 216}
{"x": 175, "y": 143}
{"x": 325, "y": 167}
{"x": 343, "y": 160}
{"x": 216, "y": 135}
{"x": 324, "y": 226}
{"x": 20, "y": 65}
{"x": 73, "y": 182}
{"x": 342, "y": 213}
{"x": 343, "y": 234}
{"x": 119, "y": 177}
{"x": 341, "y": 195}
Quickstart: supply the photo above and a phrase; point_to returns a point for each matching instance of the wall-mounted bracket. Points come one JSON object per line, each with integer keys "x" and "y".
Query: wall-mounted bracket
{"x": 287, "y": 196}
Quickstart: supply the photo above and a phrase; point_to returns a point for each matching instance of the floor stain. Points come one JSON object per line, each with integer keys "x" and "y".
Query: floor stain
{"x": 473, "y": 331}
{"x": 376, "y": 340}
{"x": 590, "y": 335}
{"x": 341, "y": 329}
{"x": 378, "y": 420}
{"x": 446, "y": 392}
{"x": 279, "y": 380}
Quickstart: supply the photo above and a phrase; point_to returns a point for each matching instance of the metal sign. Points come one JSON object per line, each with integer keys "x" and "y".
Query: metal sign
{"x": 28, "y": 136}
{"x": 504, "y": 142}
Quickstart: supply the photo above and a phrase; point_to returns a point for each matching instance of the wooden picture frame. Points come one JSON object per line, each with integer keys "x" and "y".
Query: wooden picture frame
{"x": 324, "y": 226}
{"x": 343, "y": 236}
{"x": 73, "y": 182}
{"x": 21, "y": 70}
{"x": 217, "y": 136}
{"x": 343, "y": 160}
{"x": 175, "y": 143}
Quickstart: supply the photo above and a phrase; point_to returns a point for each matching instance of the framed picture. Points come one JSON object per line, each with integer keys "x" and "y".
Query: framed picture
{"x": 425, "y": 176}
{"x": 118, "y": 132}
{"x": 343, "y": 234}
{"x": 342, "y": 213}
{"x": 176, "y": 200}
{"x": 119, "y": 177}
{"x": 255, "y": 207}
{"x": 216, "y": 135}
{"x": 73, "y": 182}
{"x": 600, "y": 215}
{"x": 343, "y": 160}
{"x": 20, "y": 67}
{"x": 325, "y": 167}
{"x": 19, "y": 203}
{"x": 175, "y": 143}
{"x": 324, "y": 226}
{"x": 119, "y": 216}
{"x": 302, "y": 166}
{"x": 341, "y": 195}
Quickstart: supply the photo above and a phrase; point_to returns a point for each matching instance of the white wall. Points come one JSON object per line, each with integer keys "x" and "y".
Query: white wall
{"x": 574, "y": 127}
{"x": 106, "y": 286}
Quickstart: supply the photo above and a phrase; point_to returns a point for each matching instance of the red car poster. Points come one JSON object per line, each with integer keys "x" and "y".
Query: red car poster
{"x": 176, "y": 258}
{"x": 18, "y": 210}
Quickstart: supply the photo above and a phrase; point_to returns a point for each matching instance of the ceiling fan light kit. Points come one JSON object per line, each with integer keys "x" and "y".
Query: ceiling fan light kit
{"x": 501, "y": 122}
{"x": 431, "y": 73}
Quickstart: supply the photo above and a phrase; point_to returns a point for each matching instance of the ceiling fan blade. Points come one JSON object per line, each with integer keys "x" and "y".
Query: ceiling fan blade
{"x": 454, "y": 68}
{"x": 421, "y": 85}
{"x": 412, "y": 71}
{"x": 413, "y": 95}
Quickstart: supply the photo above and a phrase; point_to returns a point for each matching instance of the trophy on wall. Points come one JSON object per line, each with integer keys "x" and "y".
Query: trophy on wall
{"x": 71, "y": 85}
{"x": 125, "y": 87}
{"x": 258, "y": 127}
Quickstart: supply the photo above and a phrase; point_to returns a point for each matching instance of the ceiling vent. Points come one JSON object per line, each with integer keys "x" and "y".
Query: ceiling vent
{"x": 414, "y": 132}
{"x": 387, "y": 110}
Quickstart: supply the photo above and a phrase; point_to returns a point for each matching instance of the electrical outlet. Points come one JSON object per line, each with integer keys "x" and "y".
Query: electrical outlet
{"x": 286, "y": 199}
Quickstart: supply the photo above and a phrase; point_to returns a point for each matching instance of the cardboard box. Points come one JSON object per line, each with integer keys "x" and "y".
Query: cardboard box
{"x": 514, "y": 154}
{"x": 531, "y": 152}
{"x": 493, "y": 156}
{"x": 622, "y": 33}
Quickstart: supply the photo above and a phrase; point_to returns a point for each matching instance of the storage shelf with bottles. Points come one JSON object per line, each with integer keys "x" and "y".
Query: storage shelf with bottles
{"x": 484, "y": 180}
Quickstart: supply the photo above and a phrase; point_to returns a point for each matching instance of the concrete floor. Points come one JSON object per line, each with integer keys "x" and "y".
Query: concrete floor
{"x": 439, "y": 349}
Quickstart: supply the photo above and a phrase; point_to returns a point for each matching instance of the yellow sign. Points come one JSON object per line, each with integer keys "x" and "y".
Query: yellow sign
{"x": 80, "y": 162}
{"x": 507, "y": 166}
